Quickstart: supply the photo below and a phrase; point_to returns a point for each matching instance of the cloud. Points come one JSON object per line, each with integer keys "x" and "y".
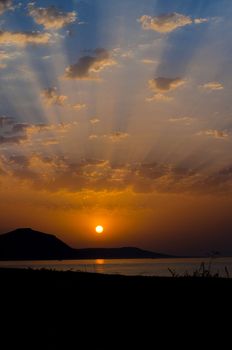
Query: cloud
{"x": 93, "y": 137}
{"x": 12, "y": 139}
{"x": 163, "y": 85}
{"x": 7, "y": 56}
{"x": 117, "y": 136}
{"x": 94, "y": 121}
{"x": 168, "y": 22}
{"x": 4, "y": 55}
{"x": 159, "y": 97}
{"x": 24, "y": 38}
{"x": 53, "y": 172}
{"x": 120, "y": 52}
{"x": 113, "y": 137}
{"x": 87, "y": 67}
{"x": 40, "y": 134}
{"x": 5, "y": 121}
{"x": 217, "y": 134}
{"x": 148, "y": 61}
{"x": 160, "y": 86}
{"x": 79, "y": 106}
{"x": 46, "y": 57}
{"x": 50, "y": 142}
{"x": 5, "y": 5}
{"x": 213, "y": 86}
{"x": 51, "y": 17}
{"x": 201, "y": 20}
{"x": 52, "y": 98}
{"x": 20, "y": 127}
{"x": 184, "y": 120}
{"x": 20, "y": 160}
{"x": 60, "y": 128}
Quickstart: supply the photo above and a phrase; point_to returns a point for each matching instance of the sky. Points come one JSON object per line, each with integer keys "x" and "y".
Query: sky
{"x": 118, "y": 113}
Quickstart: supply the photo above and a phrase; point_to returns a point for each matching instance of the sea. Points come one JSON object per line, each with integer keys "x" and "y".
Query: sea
{"x": 133, "y": 267}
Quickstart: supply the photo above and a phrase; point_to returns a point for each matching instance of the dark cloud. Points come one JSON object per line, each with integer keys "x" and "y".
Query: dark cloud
{"x": 5, "y": 5}
{"x": 5, "y": 121}
{"x": 12, "y": 139}
{"x": 30, "y": 129}
{"x": 88, "y": 66}
{"x": 51, "y": 97}
{"x": 20, "y": 127}
{"x": 39, "y": 135}
{"x": 162, "y": 84}
{"x": 20, "y": 160}
{"x": 13, "y": 133}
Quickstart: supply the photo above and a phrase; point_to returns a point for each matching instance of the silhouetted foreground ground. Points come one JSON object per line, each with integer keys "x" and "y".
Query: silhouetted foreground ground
{"x": 42, "y": 309}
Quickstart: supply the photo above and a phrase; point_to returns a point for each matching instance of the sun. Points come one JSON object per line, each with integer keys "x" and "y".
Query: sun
{"x": 99, "y": 229}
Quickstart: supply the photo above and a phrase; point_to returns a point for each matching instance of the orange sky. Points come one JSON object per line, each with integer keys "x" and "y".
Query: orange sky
{"x": 175, "y": 223}
{"x": 118, "y": 113}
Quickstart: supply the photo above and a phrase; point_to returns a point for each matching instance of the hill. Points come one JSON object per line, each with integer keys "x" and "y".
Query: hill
{"x": 27, "y": 244}
{"x": 118, "y": 253}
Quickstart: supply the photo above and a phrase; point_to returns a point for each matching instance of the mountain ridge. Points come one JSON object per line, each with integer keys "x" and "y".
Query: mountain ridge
{"x": 28, "y": 244}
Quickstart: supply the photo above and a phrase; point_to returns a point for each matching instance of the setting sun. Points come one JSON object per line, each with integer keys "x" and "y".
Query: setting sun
{"x": 122, "y": 138}
{"x": 99, "y": 229}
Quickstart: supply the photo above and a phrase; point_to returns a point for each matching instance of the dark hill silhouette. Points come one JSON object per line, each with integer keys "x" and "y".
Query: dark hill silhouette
{"x": 27, "y": 244}
{"x": 118, "y": 253}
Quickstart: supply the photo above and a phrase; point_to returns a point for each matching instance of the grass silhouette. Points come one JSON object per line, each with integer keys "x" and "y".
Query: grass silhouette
{"x": 203, "y": 271}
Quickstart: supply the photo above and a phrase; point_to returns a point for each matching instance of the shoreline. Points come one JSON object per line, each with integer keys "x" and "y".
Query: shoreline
{"x": 23, "y": 272}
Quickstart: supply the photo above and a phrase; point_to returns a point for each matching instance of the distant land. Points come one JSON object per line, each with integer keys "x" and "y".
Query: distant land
{"x": 27, "y": 244}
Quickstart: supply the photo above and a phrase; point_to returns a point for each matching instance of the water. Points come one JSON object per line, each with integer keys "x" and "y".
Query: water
{"x": 142, "y": 267}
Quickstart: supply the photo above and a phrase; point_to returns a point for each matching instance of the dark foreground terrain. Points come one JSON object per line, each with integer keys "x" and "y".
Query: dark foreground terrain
{"x": 45, "y": 309}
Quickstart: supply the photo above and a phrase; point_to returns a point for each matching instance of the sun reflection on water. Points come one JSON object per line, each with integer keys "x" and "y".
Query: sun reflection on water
{"x": 100, "y": 261}
{"x": 99, "y": 265}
